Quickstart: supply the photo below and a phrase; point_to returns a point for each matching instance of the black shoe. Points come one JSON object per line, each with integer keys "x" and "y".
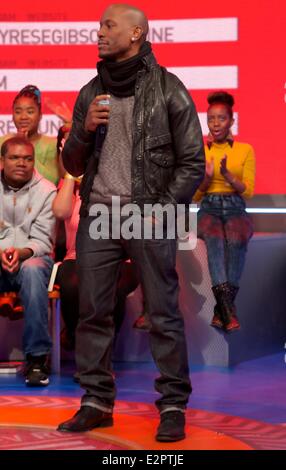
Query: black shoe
{"x": 171, "y": 427}
{"x": 37, "y": 371}
{"x": 85, "y": 419}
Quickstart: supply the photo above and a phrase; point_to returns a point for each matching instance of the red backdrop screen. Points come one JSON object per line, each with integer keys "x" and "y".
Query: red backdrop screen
{"x": 234, "y": 45}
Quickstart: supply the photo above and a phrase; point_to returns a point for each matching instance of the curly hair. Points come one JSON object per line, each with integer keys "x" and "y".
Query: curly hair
{"x": 30, "y": 91}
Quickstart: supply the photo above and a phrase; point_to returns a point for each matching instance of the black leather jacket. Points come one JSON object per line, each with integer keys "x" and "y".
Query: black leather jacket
{"x": 168, "y": 160}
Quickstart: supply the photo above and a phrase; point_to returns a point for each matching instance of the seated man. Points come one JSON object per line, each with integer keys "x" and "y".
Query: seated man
{"x": 26, "y": 242}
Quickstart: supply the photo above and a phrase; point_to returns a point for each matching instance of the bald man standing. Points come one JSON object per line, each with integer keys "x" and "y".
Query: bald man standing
{"x": 136, "y": 136}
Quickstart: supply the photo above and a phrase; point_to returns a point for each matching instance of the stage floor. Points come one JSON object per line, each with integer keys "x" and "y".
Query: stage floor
{"x": 235, "y": 408}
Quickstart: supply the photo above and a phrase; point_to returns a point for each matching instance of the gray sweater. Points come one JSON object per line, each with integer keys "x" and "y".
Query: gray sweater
{"x": 114, "y": 170}
{"x": 26, "y": 217}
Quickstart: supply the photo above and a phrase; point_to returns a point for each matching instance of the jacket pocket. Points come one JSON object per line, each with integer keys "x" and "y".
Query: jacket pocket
{"x": 158, "y": 141}
{"x": 160, "y": 163}
{"x": 162, "y": 158}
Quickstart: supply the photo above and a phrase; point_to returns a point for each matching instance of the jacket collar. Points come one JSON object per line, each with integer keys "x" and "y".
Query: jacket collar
{"x": 229, "y": 141}
{"x": 149, "y": 61}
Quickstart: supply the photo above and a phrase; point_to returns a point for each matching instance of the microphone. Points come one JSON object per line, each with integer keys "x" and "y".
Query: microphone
{"x": 102, "y": 127}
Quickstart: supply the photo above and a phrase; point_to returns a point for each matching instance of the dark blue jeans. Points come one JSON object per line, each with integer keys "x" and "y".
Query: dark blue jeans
{"x": 226, "y": 229}
{"x": 31, "y": 281}
{"x": 99, "y": 264}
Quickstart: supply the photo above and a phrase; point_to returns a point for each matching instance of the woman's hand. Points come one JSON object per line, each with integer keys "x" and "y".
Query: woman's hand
{"x": 236, "y": 184}
{"x": 60, "y": 109}
{"x": 210, "y": 168}
{"x": 22, "y": 132}
{"x": 223, "y": 166}
{"x": 209, "y": 172}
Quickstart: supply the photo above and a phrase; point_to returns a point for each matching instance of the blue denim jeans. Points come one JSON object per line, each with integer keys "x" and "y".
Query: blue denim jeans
{"x": 226, "y": 229}
{"x": 31, "y": 281}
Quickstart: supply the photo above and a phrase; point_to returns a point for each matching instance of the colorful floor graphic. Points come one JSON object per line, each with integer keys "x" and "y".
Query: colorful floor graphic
{"x": 29, "y": 423}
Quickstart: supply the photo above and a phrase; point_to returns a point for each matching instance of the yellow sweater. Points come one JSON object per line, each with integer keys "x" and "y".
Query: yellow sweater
{"x": 240, "y": 162}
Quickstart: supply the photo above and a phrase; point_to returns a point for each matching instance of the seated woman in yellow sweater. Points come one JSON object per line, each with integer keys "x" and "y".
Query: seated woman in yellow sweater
{"x": 223, "y": 222}
{"x": 27, "y": 116}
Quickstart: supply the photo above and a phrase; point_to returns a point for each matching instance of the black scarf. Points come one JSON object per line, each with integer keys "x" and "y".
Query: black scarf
{"x": 118, "y": 78}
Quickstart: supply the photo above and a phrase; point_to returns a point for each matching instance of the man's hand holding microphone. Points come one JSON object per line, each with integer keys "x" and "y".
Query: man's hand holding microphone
{"x": 98, "y": 113}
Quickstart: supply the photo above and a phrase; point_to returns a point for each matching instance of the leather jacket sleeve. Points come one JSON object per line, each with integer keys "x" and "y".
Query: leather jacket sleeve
{"x": 187, "y": 142}
{"x": 79, "y": 146}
